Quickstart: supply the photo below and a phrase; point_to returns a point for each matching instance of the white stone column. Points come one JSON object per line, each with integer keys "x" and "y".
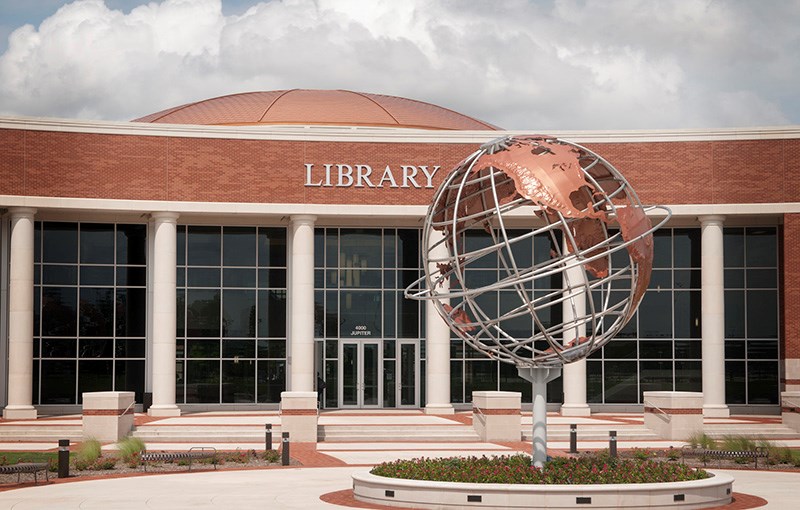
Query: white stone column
{"x": 301, "y": 294}
{"x": 20, "y": 317}
{"x": 164, "y": 317}
{"x": 437, "y": 348}
{"x": 713, "y": 317}
{"x": 574, "y": 374}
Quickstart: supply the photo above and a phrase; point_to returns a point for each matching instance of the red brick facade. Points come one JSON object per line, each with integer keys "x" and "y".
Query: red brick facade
{"x": 86, "y": 165}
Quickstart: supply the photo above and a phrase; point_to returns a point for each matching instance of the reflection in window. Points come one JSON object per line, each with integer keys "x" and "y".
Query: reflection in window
{"x": 89, "y": 310}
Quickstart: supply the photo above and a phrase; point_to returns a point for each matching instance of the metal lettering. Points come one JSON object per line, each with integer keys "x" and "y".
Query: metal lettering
{"x": 342, "y": 174}
{"x": 409, "y": 172}
{"x": 387, "y": 176}
{"x": 429, "y": 175}
{"x": 362, "y": 174}
{"x": 309, "y": 168}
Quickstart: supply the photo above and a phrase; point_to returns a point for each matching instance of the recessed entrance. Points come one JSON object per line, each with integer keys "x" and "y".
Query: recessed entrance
{"x": 360, "y": 375}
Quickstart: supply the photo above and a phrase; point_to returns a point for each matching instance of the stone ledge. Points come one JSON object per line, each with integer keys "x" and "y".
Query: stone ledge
{"x": 710, "y": 492}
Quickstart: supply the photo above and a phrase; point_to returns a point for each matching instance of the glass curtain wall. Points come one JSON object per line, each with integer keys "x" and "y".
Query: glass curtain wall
{"x": 751, "y": 316}
{"x": 231, "y": 314}
{"x": 470, "y": 370}
{"x": 660, "y": 347}
{"x": 360, "y": 275}
{"x": 89, "y": 310}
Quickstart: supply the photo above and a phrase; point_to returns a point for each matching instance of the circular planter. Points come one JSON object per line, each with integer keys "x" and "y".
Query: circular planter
{"x": 713, "y": 491}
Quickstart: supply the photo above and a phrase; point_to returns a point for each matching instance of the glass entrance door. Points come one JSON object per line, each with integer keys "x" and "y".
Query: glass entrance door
{"x": 360, "y": 374}
{"x": 408, "y": 380}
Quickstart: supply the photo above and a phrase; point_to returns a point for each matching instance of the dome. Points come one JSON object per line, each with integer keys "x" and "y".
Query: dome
{"x": 316, "y": 107}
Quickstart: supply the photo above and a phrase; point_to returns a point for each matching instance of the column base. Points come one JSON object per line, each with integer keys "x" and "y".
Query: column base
{"x": 575, "y": 410}
{"x": 164, "y": 411}
{"x": 19, "y": 413}
{"x": 439, "y": 409}
{"x": 716, "y": 411}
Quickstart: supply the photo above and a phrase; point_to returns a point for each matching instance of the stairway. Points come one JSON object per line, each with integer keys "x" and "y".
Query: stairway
{"x": 154, "y": 433}
{"x": 439, "y": 433}
{"x": 768, "y": 431}
{"x": 599, "y": 432}
{"x": 28, "y": 432}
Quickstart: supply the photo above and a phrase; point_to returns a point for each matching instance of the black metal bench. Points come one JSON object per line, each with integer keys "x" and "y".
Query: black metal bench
{"x": 705, "y": 454}
{"x": 27, "y": 467}
{"x": 194, "y": 453}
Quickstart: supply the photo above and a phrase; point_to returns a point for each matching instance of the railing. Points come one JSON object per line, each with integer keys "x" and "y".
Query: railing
{"x": 648, "y": 404}
{"x": 479, "y": 413}
{"x": 790, "y": 402}
{"x": 133, "y": 403}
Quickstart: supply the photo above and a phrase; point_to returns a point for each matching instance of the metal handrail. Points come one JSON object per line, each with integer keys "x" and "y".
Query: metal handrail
{"x": 128, "y": 408}
{"x": 480, "y": 412}
{"x": 793, "y": 403}
{"x": 651, "y": 405}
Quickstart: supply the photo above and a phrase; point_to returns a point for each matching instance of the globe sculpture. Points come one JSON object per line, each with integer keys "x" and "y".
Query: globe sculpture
{"x": 601, "y": 245}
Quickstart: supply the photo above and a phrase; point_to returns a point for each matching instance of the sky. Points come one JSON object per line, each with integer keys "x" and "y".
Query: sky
{"x": 532, "y": 65}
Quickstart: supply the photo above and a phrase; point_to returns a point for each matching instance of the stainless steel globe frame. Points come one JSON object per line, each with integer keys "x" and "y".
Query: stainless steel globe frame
{"x": 544, "y": 186}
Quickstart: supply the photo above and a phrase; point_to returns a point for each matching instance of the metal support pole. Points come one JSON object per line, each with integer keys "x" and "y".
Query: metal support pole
{"x": 268, "y": 436}
{"x": 573, "y": 438}
{"x": 612, "y": 443}
{"x": 285, "y": 449}
{"x": 63, "y": 458}
{"x": 539, "y": 445}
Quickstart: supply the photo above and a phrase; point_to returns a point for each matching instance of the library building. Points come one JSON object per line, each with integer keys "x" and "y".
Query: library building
{"x": 216, "y": 254}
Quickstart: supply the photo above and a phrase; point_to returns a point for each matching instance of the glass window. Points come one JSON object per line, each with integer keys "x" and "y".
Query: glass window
{"x": 733, "y": 244}
{"x": 59, "y": 275}
{"x": 238, "y": 313}
{"x": 97, "y": 243}
{"x": 239, "y": 246}
{"x": 761, "y": 247}
{"x": 655, "y": 376}
{"x": 202, "y": 381}
{"x": 96, "y": 275}
{"x": 203, "y": 246}
{"x": 94, "y": 375}
{"x": 97, "y": 311}
{"x": 762, "y": 382}
{"x": 734, "y": 314}
{"x": 272, "y": 247}
{"x": 762, "y": 314}
{"x": 59, "y": 385}
{"x": 687, "y": 314}
{"x": 132, "y": 244}
{"x": 59, "y": 311}
{"x": 360, "y": 248}
{"x": 238, "y": 381}
{"x": 688, "y": 376}
{"x": 735, "y": 382}
{"x": 686, "y": 247}
{"x": 620, "y": 382}
{"x": 129, "y": 376}
{"x": 408, "y": 249}
{"x": 272, "y": 381}
{"x": 202, "y": 312}
{"x": 60, "y": 242}
{"x": 655, "y": 315}
{"x": 360, "y": 314}
{"x": 662, "y": 248}
{"x": 271, "y": 313}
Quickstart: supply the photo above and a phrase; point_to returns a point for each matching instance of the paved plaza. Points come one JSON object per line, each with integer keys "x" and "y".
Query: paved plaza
{"x": 326, "y": 469}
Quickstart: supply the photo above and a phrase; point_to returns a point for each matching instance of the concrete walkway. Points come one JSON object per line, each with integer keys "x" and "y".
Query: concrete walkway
{"x": 289, "y": 488}
{"x": 326, "y": 468}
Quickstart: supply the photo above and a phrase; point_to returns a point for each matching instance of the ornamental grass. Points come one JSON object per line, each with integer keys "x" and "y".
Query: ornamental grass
{"x": 517, "y": 469}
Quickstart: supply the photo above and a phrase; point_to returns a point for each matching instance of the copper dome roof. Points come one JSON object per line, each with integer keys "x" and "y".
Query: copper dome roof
{"x": 316, "y": 107}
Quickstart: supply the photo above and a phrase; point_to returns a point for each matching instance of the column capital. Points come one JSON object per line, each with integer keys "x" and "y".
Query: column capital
{"x": 17, "y": 212}
{"x": 303, "y": 218}
{"x": 165, "y": 216}
{"x": 711, "y": 219}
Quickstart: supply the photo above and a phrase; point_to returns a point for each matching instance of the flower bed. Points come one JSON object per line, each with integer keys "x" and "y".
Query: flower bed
{"x": 517, "y": 469}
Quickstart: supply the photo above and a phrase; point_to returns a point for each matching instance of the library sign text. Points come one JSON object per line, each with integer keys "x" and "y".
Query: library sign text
{"x": 364, "y": 176}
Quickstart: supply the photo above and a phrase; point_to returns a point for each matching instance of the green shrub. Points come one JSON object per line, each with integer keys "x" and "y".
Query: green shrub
{"x": 88, "y": 452}
{"x": 738, "y": 443}
{"x": 641, "y": 453}
{"x": 673, "y": 453}
{"x": 702, "y": 440}
{"x": 518, "y": 469}
{"x": 130, "y": 449}
{"x": 272, "y": 456}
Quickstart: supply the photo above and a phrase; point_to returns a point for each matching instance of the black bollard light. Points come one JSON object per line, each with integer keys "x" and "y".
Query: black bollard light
{"x": 573, "y": 438}
{"x": 612, "y": 443}
{"x": 63, "y": 458}
{"x": 268, "y": 437}
{"x": 285, "y": 449}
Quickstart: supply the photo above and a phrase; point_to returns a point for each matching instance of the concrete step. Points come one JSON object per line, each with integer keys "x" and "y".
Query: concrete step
{"x": 770, "y": 431}
{"x": 37, "y": 433}
{"x": 442, "y": 433}
{"x": 627, "y": 433}
{"x": 225, "y": 434}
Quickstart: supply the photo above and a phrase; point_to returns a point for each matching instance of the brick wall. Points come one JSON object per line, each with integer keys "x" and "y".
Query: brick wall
{"x": 40, "y": 163}
{"x": 790, "y": 334}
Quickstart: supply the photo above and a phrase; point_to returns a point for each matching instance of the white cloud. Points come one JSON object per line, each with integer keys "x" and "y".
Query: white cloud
{"x": 538, "y": 65}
